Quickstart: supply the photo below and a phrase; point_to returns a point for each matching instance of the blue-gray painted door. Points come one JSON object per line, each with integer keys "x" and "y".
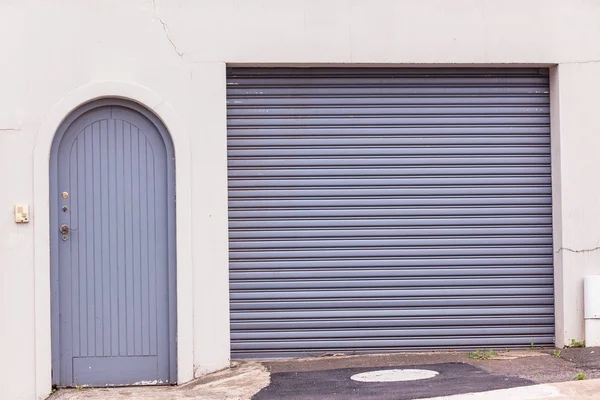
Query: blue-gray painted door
{"x": 112, "y": 187}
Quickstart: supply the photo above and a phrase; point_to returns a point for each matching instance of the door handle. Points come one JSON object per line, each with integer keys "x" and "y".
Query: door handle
{"x": 64, "y": 229}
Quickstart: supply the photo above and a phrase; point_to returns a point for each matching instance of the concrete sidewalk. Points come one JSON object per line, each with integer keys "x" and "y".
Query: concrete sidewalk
{"x": 579, "y": 390}
{"x": 240, "y": 382}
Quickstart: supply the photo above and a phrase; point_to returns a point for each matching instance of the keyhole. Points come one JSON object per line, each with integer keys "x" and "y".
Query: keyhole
{"x": 65, "y": 208}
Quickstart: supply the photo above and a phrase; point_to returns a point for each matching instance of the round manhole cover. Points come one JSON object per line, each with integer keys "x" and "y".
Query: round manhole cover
{"x": 394, "y": 375}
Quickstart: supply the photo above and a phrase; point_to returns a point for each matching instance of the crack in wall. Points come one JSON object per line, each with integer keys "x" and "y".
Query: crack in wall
{"x": 165, "y": 27}
{"x": 577, "y": 251}
{"x": 10, "y": 129}
{"x": 580, "y": 62}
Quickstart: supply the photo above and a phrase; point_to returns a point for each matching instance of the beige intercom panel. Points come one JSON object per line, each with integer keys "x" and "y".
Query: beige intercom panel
{"x": 21, "y": 213}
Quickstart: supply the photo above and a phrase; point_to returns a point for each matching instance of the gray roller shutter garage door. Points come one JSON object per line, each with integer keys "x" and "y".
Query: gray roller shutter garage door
{"x": 380, "y": 210}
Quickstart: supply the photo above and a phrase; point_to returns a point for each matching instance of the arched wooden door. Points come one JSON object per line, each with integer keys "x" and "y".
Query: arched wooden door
{"x": 112, "y": 246}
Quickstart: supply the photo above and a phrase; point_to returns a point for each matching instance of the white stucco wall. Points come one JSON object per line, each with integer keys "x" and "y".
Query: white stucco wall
{"x": 174, "y": 52}
{"x": 576, "y": 194}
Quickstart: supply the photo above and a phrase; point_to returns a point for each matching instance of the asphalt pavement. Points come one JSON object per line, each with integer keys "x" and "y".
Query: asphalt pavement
{"x": 335, "y": 384}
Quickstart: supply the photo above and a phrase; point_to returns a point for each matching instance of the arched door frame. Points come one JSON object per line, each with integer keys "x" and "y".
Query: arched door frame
{"x": 157, "y": 108}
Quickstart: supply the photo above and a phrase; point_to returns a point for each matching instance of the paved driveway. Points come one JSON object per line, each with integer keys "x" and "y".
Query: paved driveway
{"x": 324, "y": 377}
{"x": 336, "y": 384}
